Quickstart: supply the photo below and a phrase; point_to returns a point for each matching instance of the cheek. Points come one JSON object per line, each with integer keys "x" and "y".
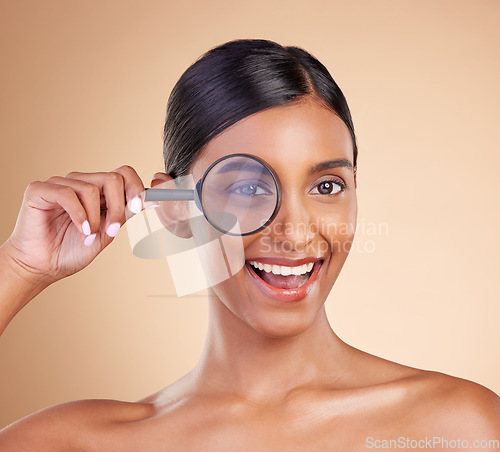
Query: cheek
{"x": 232, "y": 290}
{"x": 222, "y": 256}
{"x": 337, "y": 229}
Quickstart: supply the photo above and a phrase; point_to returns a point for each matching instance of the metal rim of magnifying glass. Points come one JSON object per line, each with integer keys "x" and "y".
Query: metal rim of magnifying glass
{"x": 199, "y": 185}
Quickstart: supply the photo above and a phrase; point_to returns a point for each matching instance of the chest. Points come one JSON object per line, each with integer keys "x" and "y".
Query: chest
{"x": 319, "y": 432}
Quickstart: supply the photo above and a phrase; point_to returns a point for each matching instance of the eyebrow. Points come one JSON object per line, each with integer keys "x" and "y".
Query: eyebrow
{"x": 328, "y": 164}
{"x": 257, "y": 168}
{"x": 240, "y": 165}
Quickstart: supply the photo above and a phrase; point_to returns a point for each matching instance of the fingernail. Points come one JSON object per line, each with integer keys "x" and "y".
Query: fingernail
{"x": 113, "y": 229}
{"x": 86, "y": 227}
{"x": 135, "y": 204}
{"x": 89, "y": 240}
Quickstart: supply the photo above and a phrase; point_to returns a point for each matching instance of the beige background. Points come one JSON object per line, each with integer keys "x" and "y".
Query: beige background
{"x": 84, "y": 87}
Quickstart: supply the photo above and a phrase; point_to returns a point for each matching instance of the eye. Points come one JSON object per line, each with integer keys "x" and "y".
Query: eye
{"x": 330, "y": 187}
{"x": 250, "y": 190}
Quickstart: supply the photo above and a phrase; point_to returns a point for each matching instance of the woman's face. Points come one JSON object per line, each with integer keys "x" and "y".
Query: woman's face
{"x": 316, "y": 220}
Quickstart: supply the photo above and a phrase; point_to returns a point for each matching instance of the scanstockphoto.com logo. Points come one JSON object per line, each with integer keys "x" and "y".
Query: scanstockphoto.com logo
{"x": 435, "y": 442}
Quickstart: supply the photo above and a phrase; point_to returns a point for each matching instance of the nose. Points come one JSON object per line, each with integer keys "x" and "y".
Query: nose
{"x": 291, "y": 225}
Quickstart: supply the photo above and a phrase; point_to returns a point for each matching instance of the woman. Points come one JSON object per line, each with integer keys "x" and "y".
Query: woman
{"x": 273, "y": 375}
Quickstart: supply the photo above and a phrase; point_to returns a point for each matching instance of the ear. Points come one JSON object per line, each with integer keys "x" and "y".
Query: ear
{"x": 172, "y": 214}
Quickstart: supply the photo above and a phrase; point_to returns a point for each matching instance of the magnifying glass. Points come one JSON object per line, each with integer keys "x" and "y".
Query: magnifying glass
{"x": 236, "y": 189}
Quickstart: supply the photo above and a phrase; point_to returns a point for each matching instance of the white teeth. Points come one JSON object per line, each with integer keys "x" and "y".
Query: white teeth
{"x": 283, "y": 270}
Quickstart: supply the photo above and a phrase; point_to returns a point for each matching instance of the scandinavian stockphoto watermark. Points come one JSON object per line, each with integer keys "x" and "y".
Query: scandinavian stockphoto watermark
{"x": 210, "y": 257}
{"x": 433, "y": 442}
{"x": 323, "y": 237}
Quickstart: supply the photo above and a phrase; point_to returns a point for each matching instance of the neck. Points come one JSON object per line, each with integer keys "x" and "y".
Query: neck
{"x": 239, "y": 360}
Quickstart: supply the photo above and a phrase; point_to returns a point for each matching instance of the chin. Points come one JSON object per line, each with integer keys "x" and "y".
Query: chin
{"x": 280, "y": 325}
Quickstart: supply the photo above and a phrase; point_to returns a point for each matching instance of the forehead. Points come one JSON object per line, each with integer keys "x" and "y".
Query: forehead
{"x": 288, "y": 137}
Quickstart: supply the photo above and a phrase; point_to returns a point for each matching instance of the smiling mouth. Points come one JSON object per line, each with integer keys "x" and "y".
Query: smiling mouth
{"x": 272, "y": 274}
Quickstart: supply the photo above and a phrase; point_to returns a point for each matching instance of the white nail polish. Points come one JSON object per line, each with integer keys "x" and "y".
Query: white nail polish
{"x": 113, "y": 229}
{"x": 86, "y": 227}
{"x": 135, "y": 204}
{"x": 89, "y": 240}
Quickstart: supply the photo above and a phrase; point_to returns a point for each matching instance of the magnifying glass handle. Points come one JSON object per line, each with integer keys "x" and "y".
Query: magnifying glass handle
{"x": 169, "y": 194}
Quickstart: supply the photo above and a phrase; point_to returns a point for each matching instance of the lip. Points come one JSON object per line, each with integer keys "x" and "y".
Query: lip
{"x": 286, "y": 295}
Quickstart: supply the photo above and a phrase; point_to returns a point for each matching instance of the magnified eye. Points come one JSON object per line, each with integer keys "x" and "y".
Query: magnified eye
{"x": 330, "y": 187}
{"x": 250, "y": 190}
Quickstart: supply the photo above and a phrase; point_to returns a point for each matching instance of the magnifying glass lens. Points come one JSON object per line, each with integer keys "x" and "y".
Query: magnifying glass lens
{"x": 239, "y": 190}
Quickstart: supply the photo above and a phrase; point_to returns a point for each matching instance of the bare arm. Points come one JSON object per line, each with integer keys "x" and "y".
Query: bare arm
{"x": 17, "y": 287}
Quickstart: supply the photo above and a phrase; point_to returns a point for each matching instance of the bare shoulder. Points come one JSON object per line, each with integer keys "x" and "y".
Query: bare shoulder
{"x": 451, "y": 405}
{"x": 431, "y": 403}
{"x": 71, "y": 426}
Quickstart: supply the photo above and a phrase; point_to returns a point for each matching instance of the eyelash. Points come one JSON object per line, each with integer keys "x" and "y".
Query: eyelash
{"x": 343, "y": 186}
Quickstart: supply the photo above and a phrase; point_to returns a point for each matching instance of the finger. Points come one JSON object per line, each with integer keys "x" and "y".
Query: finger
{"x": 134, "y": 188}
{"x": 48, "y": 195}
{"x": 111, "y": 185}
{"x": 89, "y": 196}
